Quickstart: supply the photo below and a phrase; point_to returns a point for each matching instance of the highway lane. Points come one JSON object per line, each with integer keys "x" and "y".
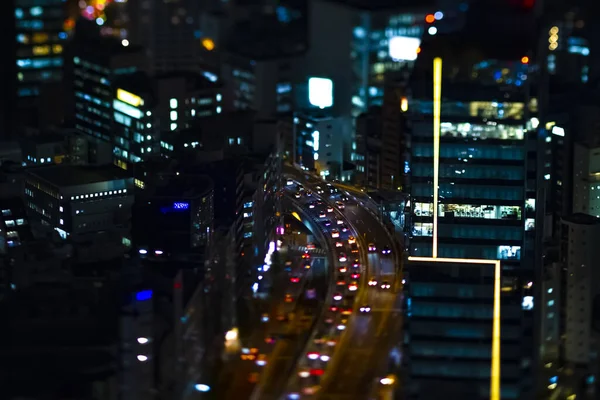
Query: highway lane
{"x": 362, "y": 357}
{"x": 240, "y": 377}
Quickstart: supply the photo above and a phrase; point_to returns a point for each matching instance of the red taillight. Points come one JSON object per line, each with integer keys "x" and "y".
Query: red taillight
{"x": 295, "y": 280}
{"x": 317, "y": 372}
{"x": 333, "y": 309}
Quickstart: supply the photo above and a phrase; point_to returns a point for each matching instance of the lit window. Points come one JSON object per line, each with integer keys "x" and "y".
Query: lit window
{"x": 173, "y": 127}
{"x": 40, "y": 37}
{"x": 57, "y": 49}
{"x": 218, "y": 110}
{"x": 62, "y": 222}
{"x": 41, "y": 50}
{"x": 36, "y": 11}
{"x": 173, "y": 115}
{"x": 173, "y": 103}
{"x": 60, "y": 209}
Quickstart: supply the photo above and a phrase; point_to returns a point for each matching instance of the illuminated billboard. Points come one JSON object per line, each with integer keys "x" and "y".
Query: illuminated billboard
{"x": 320, "y": 92}
{"x": 403, "y": 48}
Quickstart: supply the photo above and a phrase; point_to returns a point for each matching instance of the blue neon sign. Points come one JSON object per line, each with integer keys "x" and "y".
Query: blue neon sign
{"x": 143, "y": 295}
{"x": 181, "y": 206}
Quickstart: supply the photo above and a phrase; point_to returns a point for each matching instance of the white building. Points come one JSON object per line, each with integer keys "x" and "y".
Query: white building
{"x": 586, "y": 180}
{"x": 580, "y": 274}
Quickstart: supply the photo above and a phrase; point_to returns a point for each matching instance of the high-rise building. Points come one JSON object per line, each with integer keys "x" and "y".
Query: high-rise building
{"x": 454, "y": 316}
{"x": 40, "y": 38}
{"x": 569, "y": 308}
{"x": 473, "y": 163}
{"x": 95, "y": 66}
{"x": 170, "y": 33}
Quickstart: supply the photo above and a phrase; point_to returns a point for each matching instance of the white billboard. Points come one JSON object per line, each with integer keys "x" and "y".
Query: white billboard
{"x": 320, "y": 92}
{"x": 403, "y": 48}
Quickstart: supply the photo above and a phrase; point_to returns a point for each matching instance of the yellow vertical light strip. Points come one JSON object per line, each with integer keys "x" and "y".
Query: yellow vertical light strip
{"x": 495, "y": 364}
{"x": 495, "y": 367}
{"x": 437, "y": 111}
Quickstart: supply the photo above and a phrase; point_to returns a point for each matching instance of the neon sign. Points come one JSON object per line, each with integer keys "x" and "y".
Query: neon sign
{"x": 181, "y": 206}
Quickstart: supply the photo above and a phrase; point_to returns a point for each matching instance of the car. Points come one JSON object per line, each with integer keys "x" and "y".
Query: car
{"x": 356, "y": 263}
{"x": 339, "y": 221}
{"x": 372, "y": 247}
{"x": 322, "y": 215}
{"x": 288, "y": 298}
{"x": 342, "y": 269}
{"x": 337, "y": 296}
{"x": 340, "y": 205}
{"x": 326, "y": 222}
{"x": 297, "y": 195}
{"x": 339, "y": 244}
{"x": 308, "y": 193}
{"x": 320, "y": 202}
{"x": 386, "y": 250}
{"x": 295, "y": 279}
{"x": 335, "y": 233}
{"x": 385, "y": 285}
{"x": 343, "y": 257}
{"x": 319, "y": 190}
{"x": 329, "y": 209}
{"x": 347, "y": 311}
{"x": 353, "y": 286}
{"x": 365, "y": 308}
{"x": 312, "y": 205}
{"x": 354, "y": 248}
{"x": 344, "y": 198}
{"x": 300, "y": 188}
{"x": 341, "y": 283}
{"x": 305, "y": 255}
{"x": 307, "y": 265}
{"x": 344, "y": 228}
{"x": 289, "y": 182}
{"x": 311, "y": 246}
{"x": 355, "y": 275}
{"x": 351, "y": 240}
{"x": 372, "y": 282}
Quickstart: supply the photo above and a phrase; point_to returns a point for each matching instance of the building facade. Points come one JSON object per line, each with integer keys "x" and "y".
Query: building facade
{"x": 80, "y": 201}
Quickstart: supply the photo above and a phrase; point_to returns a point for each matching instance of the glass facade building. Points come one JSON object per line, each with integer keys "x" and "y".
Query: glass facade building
{"x": 40, "y": 39}
{"x": 485, "y": 210}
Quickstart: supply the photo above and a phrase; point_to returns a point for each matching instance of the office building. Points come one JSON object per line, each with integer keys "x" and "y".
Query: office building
{"x": 381, "y": 157}
{"x": 367, "y": 39}
{"x": 261, "y": 76}
{"x": 170, "y": 33}
{"x": 321, "y": 141}
{"x": 568, "y": 308}
{"x": 586, "y": 180}
{"x": 473, "y": 182}
{"x": 453, "y": 342}
{"x": 44, "y": 149}
{"x": 95, "y": 66}
{"x": 80, "y": 201}
{"x": 185, "y": 96}
{"x": 40, "y": 39}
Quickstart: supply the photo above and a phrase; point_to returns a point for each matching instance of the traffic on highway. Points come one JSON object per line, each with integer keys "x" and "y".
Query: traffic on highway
{"x": 348, "y": 355}
{"x": 287, "y": 316}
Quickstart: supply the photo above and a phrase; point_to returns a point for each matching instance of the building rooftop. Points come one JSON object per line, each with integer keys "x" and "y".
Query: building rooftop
{"x": 74, "y": 175}
{"x": 184, "y": 186}
{"x": 193, "y": 80}
{"x": 46, "y": 138}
